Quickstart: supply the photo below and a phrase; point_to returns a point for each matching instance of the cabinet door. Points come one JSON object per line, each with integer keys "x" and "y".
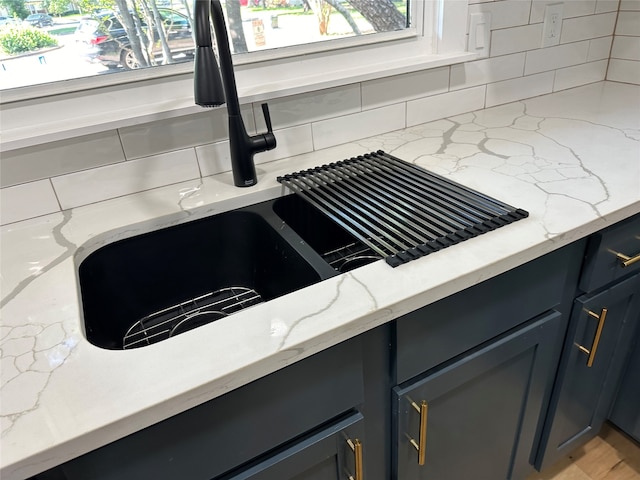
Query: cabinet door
{"x": 477, "y": 417}
{"x": 597, "y": 346}
{"x": 626, "y": 409}
{"x": 334, "y": 453}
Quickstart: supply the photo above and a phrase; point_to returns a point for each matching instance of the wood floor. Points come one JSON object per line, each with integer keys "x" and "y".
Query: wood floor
{"x": 609, "y": 456}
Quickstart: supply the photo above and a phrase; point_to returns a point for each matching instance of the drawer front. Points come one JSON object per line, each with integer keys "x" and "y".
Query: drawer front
{"x": 612, "y": 254}
{"x": 434, "y": 334}
{"x": 220, "y": 435}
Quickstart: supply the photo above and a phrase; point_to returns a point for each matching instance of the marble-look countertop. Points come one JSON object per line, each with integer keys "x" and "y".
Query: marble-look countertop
{"x": 572, "y": 159}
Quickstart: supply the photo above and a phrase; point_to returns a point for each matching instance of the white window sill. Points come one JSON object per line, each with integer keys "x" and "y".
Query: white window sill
{"x": 59, "y": 117}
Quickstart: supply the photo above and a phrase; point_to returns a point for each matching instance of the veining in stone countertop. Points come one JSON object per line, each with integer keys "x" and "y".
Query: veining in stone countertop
{"x": 572, "y": 159}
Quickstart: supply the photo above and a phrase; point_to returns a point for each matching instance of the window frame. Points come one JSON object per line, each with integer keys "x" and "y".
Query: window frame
{"x": 99, "y": 103}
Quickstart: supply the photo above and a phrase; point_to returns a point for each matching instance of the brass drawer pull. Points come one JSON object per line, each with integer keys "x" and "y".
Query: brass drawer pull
{"x": 626, "y": 261}
{"x": 356, "y": 446}
{"x": 596, "y": 339}
{"x": 421, "y": 444}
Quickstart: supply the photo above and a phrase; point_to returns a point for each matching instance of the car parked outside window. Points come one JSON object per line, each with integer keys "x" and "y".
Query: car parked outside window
{"x": 103, "y": 39}
{"x": 39, "y": 20}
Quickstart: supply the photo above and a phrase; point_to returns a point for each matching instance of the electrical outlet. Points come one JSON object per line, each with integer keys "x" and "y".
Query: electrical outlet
{"x": 479, "y": 34}
{"x": 552, "y": 27}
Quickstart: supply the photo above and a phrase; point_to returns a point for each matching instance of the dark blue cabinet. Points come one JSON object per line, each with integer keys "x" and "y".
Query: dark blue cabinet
{"x": 477, "y": 417}
{"x": 625, "y": 413}
{"x": 596, "y": 349}
{"x": 482, "y": 364}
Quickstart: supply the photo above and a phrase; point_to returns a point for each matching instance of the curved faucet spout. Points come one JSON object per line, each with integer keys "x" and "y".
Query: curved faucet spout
{"x": 214, "y": 86}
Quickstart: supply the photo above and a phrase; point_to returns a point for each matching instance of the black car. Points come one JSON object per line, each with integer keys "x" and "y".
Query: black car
{"x": 103, "y": 39}
{"x": 39, "y": 20}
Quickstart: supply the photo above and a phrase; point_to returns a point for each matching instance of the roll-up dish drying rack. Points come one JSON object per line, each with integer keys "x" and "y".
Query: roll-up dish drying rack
{"x": 398, "y": 210}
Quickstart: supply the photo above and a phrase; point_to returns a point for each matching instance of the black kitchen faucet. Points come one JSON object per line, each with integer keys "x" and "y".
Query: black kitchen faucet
{"x": 214, "y": 86}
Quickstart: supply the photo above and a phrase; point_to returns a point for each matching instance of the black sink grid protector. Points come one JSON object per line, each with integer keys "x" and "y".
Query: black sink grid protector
{"x": 399, "y": 210}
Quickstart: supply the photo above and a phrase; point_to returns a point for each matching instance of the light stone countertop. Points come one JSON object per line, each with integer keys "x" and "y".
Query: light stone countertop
{"x": 571, "y": 159}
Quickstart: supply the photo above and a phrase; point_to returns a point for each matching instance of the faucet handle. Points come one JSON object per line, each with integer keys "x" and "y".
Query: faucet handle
{"x": 268, "y": 139}
{"x": 267, "y": 117}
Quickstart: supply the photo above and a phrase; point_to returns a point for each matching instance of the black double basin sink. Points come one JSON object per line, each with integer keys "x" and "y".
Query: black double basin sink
{"x": 147, "y": 288}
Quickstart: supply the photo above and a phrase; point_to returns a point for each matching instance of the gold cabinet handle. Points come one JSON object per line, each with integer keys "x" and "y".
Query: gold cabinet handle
{"x": 356, "y": 447}
{"x": 421, "y": 444}
{"x": 626, "y": 261}
{"x": 596, "y": 339}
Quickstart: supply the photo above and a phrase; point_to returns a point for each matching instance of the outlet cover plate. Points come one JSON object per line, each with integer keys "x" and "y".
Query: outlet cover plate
{"x": 479, "y": 34}
{"x": 552, "y": 27}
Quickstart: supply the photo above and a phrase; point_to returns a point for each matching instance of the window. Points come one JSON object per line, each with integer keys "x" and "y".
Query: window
{"x": 434, "y": 37}
{"x": 156, "y": 33}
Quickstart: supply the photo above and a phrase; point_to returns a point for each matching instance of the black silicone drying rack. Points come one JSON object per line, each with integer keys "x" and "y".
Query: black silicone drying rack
{"x": 397, "y": 209}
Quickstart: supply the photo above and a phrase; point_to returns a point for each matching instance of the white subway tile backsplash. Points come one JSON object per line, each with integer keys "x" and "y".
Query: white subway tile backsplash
{"x": 570, "y": 8}
{"x": 628, "y": 23}
{"x": 504, "y": 13}
{"x": 215, "y": 157}
{"x": 133, "y": 176}
{"x": 400, "y": 88}
{"x": 488, "y": 70}
{"x": 626, "y": 48}
{"x": 599, "y": 49}
{"x": 310, "y": 107}
{"x": 27, "y": 201}
{"x": 580, "y": 75}
{"x": 578, "y": 8}
{"x": 291, "y": 142}
{"x": 518, "y": 39}
{"x": 603, "y": 6}
{"x": 39, "y": 180}
{"x": 327, "y": 133}
{"x": 57, "y": 158}
{"x": 177, "y": 133}
{"x": 627, "y": 71}
{"x": 445, "y": 105}
{"x": 629, "y": 5}
{"x": 552, "y": 58}
{"x": 585, "y": 28}
{"x": 624, "y": 65}
{"x": 519, "y": 88}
